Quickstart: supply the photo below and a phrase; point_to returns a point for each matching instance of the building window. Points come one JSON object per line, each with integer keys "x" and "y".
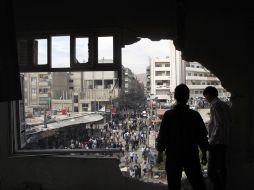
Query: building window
{"x": 189, "y": 74}
{"x": 85, "y": 107}
{"x": 43, "y": 90}
{"x": 108, "y": 84}
{"x": 60, "y": 51}
{"x": 158, "y": 64}
{"x": 75, "y": 109}
{"x": 159, "y": 83}
{"x": 159, "y": 73}
{"x": 33, "y": 80}
{"x": 88, "y": 84}
{"x": 105, "y": 50}
{"x": 81, "y": 50}
{"x": 41, "y": 51}
{"x": 33, "y": 91}
{"x": 98, "y": 84}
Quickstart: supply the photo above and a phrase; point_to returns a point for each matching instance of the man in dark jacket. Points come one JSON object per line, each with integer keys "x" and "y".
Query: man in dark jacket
{"x": 182, "y": 131}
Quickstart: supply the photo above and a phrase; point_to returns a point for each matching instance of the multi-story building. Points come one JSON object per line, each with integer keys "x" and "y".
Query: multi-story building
{"x": 132, "y": 91}
{"x": 37, "y": 90}
{"x": 99, "y": 89}
{"x": 198, "y": 78}
{"x": 74, "y": 91}
{"x": 148, "y": 80}
{"x": 160, "y": 78}
{"x": 129, "y": 81}
{"x": 142, "y": 81}
{"x": 164, "y": 74}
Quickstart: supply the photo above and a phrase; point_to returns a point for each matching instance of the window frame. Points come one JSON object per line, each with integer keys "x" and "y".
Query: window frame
{"x": 29, "y": 37}
{"x": 91, "y": 65}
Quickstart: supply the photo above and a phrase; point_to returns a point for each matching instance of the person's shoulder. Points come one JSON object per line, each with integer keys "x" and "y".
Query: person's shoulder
{"x": 194, "y": 112}
{"x": 221, "y": 103}
{"x": 168, "y": 112}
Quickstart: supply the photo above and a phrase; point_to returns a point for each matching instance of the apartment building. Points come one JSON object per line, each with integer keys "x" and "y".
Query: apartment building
{"x": 74, "y": 91}
{"x": 98, "y": 90}
{"x": 129, "y": 81}
{"x": 164, "y": 74}
{"x": 198, "y": 78}
{"x": 37, "y": 90}
{"x": 161, "y": 78}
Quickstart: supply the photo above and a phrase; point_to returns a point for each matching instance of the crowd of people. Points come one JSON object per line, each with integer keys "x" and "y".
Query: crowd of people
{"x": 130, "y": 134}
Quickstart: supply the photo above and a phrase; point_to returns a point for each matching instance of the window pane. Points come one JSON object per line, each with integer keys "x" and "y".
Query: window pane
{"x": 40, "y": 51}
{"x": 105, "y": 50}
{"x": 60, "y": 51}
{"x": 54, "y": 113}
{"x": 82, "y": 50}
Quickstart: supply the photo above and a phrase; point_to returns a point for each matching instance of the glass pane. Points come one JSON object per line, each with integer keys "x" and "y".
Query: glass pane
{"x": 56, "y": 117}
{"x": 40, "y": 51}
{"x": 105, "y": 50}
{"x": 60, "y": 51}
{"x": 82, "y": 50}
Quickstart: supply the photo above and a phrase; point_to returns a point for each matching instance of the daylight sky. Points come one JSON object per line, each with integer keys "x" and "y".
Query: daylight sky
{"x": 136, "y": 56}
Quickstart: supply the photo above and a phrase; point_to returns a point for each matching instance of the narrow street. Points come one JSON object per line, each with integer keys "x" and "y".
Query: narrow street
{"x": 141, "y": 166}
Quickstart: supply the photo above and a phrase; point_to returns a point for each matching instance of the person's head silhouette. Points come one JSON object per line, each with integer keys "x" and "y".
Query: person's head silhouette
{"x": 182, "y": 94}
{"x": 210, "y": 93}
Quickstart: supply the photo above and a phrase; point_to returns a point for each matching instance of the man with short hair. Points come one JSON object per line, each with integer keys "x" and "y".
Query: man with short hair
{"x": 182, "y": 131}
{"x": 218, "y": 130}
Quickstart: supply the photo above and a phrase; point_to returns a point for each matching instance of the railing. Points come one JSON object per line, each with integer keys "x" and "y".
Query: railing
{"x": 203, "y": 78}
{"x": 44, "y": 83}
{"x": 202, "y": 87}
{"x": 98, "y": 152}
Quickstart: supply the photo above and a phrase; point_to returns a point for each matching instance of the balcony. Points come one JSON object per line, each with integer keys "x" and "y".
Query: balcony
{"x": 202, "y": 70}
{"x": 44, "y": 95}
{"x": 203, "y": 78}
{"x": 162, "y": 68}
{"x": 44, "y": 83}
{"x": 162, "y": 97}
{"x": 202, "y": 87}
{"x": 162, "y": 87}
{"x": 164, "y": 77}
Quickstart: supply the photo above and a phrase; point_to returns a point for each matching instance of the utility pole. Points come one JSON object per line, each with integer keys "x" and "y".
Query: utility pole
{"x": 45, "y": 118}
{"x": 111, "y": 106}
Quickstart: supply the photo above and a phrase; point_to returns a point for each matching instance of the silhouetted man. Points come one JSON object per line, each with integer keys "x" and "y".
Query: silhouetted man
{"x": 218, "y": 129}
{"x": 182, "y": 131}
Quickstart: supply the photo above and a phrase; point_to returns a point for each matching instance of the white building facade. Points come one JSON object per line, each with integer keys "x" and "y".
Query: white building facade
{"x": 198, "y": 78}
{"x": 164, "y": 74}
